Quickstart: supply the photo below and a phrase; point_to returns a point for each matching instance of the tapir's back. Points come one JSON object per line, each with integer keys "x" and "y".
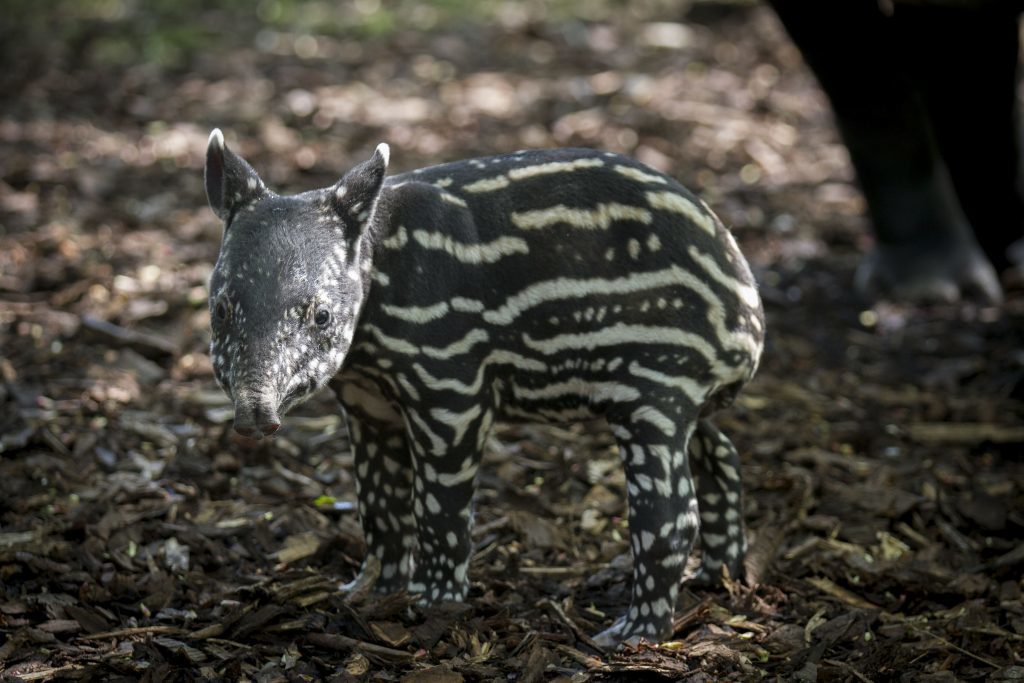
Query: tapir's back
{"x": 554, "y": 254}
{"x": 591, "y": 213}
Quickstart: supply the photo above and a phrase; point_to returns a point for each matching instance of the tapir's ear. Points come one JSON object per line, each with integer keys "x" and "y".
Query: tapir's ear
{"x": 231, "y": 183}
{"x": 355, "y": 195}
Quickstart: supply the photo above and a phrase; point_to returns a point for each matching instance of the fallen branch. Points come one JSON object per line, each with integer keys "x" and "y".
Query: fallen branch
{"x": 848, "y": 669}
{"x": 579, "y": 657}
{"x": 573, "y": 626}
{"x": 558, "y": 571}
{"x": 148, "y": 345}
{"x": 46, "y": 674}
{"x": 333, "y": 641}
{"x": 964, "y": 433}
{"x": 953, "y": 646}
{"x": 136, "y": 631}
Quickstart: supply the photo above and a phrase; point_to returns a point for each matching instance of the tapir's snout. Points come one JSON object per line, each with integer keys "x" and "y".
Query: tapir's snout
{"x": 256, "y": 417}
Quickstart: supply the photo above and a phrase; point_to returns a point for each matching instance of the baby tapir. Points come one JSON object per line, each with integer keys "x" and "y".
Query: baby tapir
{"x": 548, "y": 285}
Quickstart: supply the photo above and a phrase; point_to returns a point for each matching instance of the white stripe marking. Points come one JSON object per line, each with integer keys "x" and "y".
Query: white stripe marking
{"x": 580, "y": 388}
{"x": 621, "y": 333}
{"x": 398, "y": 240}
{"x": 437, "y": 445}
{"x": 676, "y": 203}
{"x": 598, "y": 218}
{"x": 463, "y": 305}
{"x": 638, "y": 175}
{"x": 553, "y": 167}
{"x": 417, "y": 314}
{"x": 459, "y": 422}
{"x": 392, "y": 343}
{"x": 567, "y": 288}
{"x": 656, "y": 418}
{"x": 745, "y": 293}
{"x": 498, "y": 356}
{"x": 463, "y": 475}
{"x": 489, "y": 252}
{"x": 409, "y": 387}
{"x": 452, "y": 199}
{"x": 693, "y": 390}
{"x": 488, "y": 184}
{"x": 456, "y": 348}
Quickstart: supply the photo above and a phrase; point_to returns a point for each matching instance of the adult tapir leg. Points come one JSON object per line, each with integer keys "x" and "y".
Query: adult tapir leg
{"x": 970, "y": 94}
{"x": 925, "y": 246}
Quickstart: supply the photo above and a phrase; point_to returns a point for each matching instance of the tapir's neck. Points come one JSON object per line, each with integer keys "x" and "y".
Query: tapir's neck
{"x": 401, "y": 283}
{"x": 383, "y": 279}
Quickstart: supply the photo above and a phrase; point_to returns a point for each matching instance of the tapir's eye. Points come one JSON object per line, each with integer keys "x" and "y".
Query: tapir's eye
{"x": 322, "y": 317}
{"x": 220, "y": 311}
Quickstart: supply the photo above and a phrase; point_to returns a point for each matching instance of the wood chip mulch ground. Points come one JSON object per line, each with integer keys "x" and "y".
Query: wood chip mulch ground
{"x": 882, "y": 445}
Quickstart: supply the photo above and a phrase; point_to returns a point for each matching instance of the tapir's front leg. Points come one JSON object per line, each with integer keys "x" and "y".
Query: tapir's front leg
{"x": 446, "y": 448}
{"x": 383, "y": 482}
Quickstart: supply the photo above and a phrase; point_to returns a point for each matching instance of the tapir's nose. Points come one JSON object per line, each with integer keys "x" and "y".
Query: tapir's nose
{"x": 256, "y": 423}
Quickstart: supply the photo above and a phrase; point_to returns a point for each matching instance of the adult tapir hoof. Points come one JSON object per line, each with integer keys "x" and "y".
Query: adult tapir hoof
{"x": 921, "y": 275}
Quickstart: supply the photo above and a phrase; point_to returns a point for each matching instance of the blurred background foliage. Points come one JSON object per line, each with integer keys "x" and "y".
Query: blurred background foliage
{"x": 145, "y": 80}
{"x": 169, "y": 33}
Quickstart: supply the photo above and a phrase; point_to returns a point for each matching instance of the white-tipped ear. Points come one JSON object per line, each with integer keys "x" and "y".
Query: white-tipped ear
{"x": 385, "y": 152}
{"x": 355, "y": 195}
{"x": 216, "y": 139}
{"x": 231, "y": 182}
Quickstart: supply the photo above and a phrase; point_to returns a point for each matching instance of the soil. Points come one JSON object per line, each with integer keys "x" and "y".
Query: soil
{"x": 140, "y": 540}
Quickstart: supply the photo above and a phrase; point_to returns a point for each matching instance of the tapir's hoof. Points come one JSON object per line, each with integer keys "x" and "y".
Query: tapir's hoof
{"x": 705, "y": 578}
{"x": 620, "y": 635}
{"x": 366, "y": 581}
{"x": 611, "y": 638}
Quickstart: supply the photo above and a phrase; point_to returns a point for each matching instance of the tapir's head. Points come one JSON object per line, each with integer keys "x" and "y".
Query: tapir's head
{"x": 288, "y": 285}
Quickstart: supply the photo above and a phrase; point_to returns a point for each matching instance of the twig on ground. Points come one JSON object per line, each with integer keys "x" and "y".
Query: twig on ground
{"x": 573, "y": 626}
{"x": 333, "y": 641}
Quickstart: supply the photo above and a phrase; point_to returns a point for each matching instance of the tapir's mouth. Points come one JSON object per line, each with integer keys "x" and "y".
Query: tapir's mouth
{"x": 297, "y": 394}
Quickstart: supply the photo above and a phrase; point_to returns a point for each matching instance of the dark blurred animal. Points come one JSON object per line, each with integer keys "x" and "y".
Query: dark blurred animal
{"x": 924, "y": 94}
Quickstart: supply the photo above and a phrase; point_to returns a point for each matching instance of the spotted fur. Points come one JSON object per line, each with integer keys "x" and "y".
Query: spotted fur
{"x": 545, "y": 285}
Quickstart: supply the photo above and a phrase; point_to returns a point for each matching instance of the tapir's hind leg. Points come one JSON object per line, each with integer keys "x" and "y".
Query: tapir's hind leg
{"x": 662, "y": 518}
{"x": 716, "y": 472}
